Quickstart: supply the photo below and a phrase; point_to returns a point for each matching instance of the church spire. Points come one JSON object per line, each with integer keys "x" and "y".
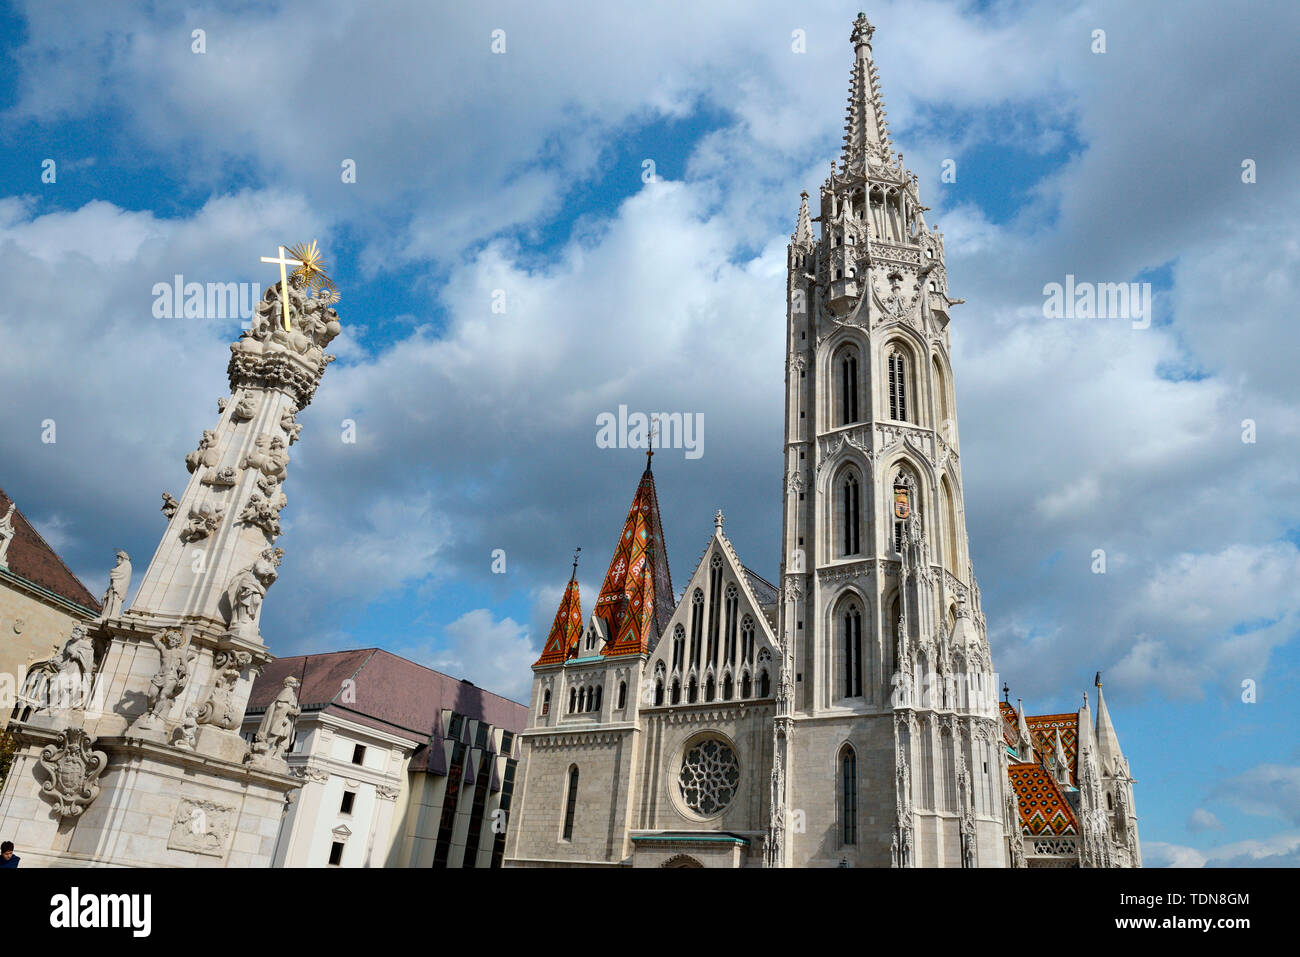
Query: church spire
{"x": 803, "y": 233}
{"x": 1107, "y": 741}
{"x": 636, "y": 599}
{"x": 566, "y": 630}
{"x": 865, "y": 129}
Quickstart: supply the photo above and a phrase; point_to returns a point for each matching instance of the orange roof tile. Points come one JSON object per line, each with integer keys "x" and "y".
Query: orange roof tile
{"x": 1043, "y": 807}
{"x": 566, "y": 630}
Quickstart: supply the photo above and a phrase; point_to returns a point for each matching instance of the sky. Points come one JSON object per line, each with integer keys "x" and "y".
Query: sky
{"x": 509, "y": 270}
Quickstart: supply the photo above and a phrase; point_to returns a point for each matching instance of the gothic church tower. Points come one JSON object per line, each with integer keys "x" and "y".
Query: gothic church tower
{"x": 887, "y": 738}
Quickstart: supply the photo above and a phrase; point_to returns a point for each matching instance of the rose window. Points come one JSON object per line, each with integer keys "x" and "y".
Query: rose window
{"x": 709, "y": 777}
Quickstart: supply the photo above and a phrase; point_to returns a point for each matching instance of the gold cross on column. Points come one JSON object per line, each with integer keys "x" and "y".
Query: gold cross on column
{"x": 283, "y": 261}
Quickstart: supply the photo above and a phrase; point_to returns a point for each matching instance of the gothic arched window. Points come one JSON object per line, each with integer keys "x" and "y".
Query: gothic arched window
{"x": 697, "y": 625}
{"x": 728, "y": 687}
{"x": 677, "y": 691}
{"x": 851, "y": 647}
{"x": 746, "y": 686}
{"x": 846, "y": 386}
{"x": 848, "y": 796}
{"x": 950, "y": 559}
{"x": 898, "y": 386}
{"x": 546, "y": 701}
{"x": 709, "y": 687}
{"x": 622, "y": 695}
{"x": 747, "y": 639}
{"x": 573, "y": 700}
{"x": 679, "y": 647}
{"x": 729, "y": 629}
{"x": 692, "y": 690}
{"x": 764, "y": 685}
{"x": 715, "y": 601}
{"x": 659, "y": 692}
{"x": 850, "y": 504}
{"x": 571, "y": 803}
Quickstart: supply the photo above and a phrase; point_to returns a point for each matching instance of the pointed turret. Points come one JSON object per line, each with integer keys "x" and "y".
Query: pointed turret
{"x": 1061, "y": 762}
{"x": 566, "y": 630}
{"x": 803, "y": 231}
{"x": 1108, "y": 749}
{"x": 1024, "y": 740}
{"x": 865, "y": 129}
{"x": 636, "y": 599}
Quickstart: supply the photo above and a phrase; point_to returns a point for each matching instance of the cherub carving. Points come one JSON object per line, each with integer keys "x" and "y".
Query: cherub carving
{"x": 270, "y": 456}
{"x": 245, "y": 409}
{"x": 223, "y": 477}
{"x": 203, "y": 521}
{"x": 290, "y": 425}
{"x": 205, "y": 454}
{"x": 170, "y": 505}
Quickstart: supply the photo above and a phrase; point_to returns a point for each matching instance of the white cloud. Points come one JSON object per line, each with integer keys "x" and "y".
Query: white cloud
{"x": 496, "y": 655}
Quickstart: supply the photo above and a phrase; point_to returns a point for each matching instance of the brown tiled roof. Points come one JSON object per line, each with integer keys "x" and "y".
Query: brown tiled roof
{"x": 391, "y": 694}
{"x": 31, "y": 558}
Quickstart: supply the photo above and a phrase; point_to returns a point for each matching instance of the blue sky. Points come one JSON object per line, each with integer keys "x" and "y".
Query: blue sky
{"x": 522, "y": 172}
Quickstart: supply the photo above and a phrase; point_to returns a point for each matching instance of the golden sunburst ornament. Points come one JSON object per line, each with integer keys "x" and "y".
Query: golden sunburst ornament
{"x": 311, "y": 267}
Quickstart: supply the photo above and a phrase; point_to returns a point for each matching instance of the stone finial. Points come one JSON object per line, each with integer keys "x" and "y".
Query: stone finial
{"x": 717, "y": 522}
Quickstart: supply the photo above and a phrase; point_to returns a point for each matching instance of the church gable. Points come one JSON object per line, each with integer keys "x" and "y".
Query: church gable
{"x": 718, "y": 645}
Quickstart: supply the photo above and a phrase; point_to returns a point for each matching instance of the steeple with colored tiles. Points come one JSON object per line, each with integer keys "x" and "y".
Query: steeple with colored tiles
{"x": 566, "y": 630}
{"x": 636, "y": 599}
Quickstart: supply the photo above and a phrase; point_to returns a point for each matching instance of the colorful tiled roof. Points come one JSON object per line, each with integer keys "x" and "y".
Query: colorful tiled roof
{"x": 566, "y": 630}
{"x": 636, "y": 598}
{"x": 1009, "y": 722}
{"x": 1043, "y": 728}
{"x": 33, "y": 560}
{"x": 1043, "y": 808}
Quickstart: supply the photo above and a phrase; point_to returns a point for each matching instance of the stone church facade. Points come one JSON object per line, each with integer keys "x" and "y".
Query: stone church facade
{"x": 850, "y": 716}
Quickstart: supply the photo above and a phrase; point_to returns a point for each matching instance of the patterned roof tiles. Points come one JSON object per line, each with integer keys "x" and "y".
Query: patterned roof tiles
{"x": 1043, "y": 807}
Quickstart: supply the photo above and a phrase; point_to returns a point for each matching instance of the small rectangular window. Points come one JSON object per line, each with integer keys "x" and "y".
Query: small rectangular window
{"x": 336, "y": 853}
{"x": 507, "y": 743}
{"x": 359, "y": 754}
{"x": 349, "y": 797}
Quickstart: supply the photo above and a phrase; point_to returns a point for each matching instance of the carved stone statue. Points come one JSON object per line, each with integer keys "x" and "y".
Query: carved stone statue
{"x": 188, "y": 729}
{"x": 6, "y": 534}
{"x": 175, "y": 661}
{"x": 220, "y": 708}
{"x": 119, "y": 580}
{"x": 245, "y": 593}
{"x": 72, "y": 684}
{"x": 275, "y": 732}
{"x": 170, "y": 505}
{"x": 269, "y": 456}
